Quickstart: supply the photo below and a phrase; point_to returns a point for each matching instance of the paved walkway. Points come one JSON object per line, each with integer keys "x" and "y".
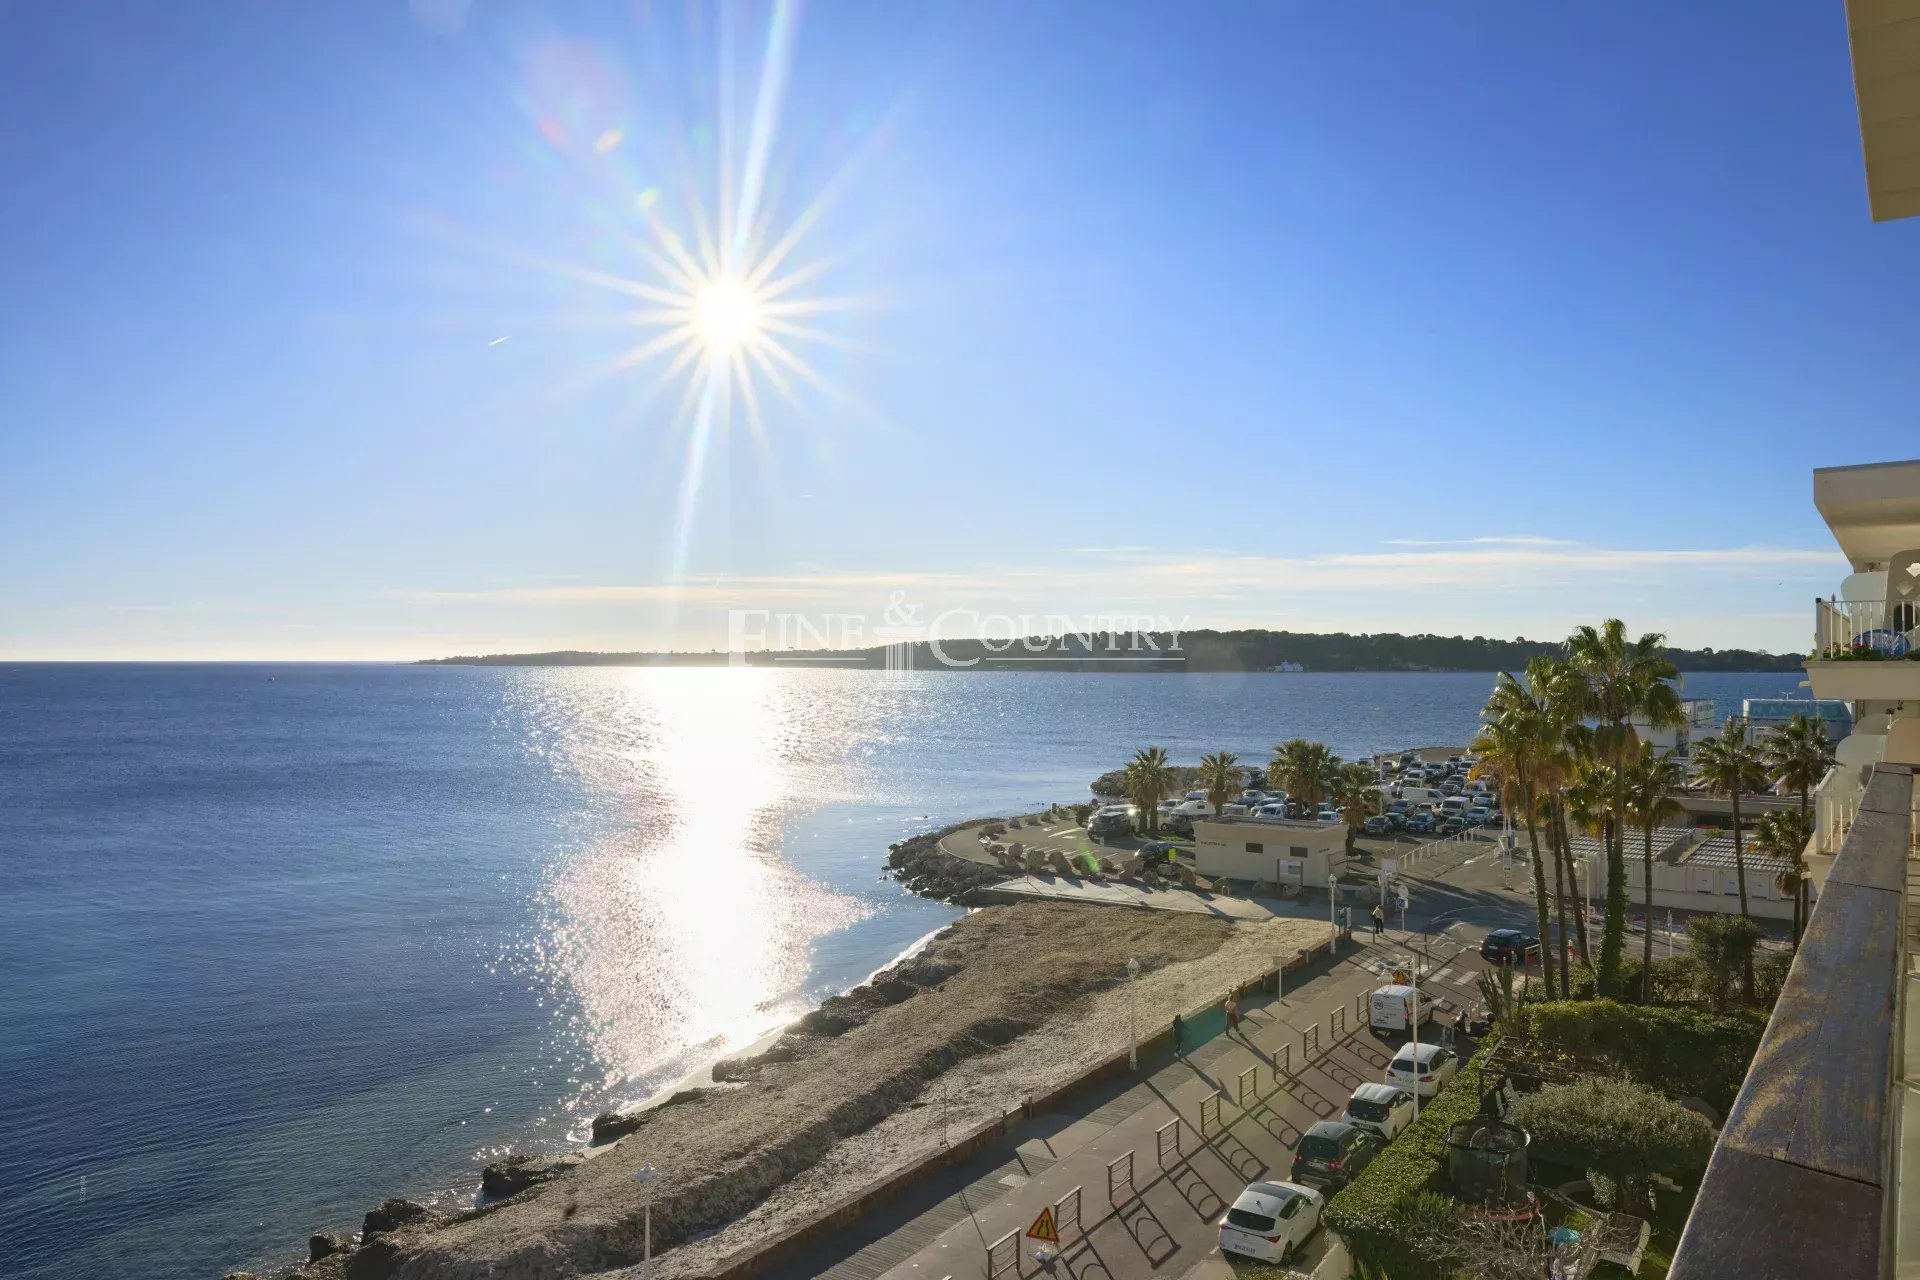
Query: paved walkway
{"x": 1139, "y": 1170}
{"x": 1041, "y": 884}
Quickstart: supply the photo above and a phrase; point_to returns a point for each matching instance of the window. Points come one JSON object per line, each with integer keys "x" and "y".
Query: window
{"x": 1246, "y": 1220}
{"x": 1297, "y": 851}
{"x": 1253, "y": 847}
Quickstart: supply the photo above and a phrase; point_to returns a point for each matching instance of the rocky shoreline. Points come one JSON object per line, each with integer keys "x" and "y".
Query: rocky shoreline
{"x": 766, "y": 1118}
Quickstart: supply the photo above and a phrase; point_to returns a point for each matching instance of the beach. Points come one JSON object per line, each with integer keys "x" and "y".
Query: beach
{"x": 1007, "y": 1003}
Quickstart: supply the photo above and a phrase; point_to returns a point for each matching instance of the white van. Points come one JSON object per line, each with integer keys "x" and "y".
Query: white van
{"x": 1392, "y": 1009}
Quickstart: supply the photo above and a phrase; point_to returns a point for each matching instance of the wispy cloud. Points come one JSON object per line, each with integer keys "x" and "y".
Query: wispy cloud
{"x": 1502, "y": 540}
{"x": 1163, "y": 578}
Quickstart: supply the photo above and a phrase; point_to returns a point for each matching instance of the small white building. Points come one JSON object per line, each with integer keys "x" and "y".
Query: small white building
{"x": 1696, "y": 722}
{"x": 1693, "y": 870}
{"x": 1284, "y": 852}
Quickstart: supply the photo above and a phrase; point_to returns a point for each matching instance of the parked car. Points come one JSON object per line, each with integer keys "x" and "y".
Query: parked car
{"x": 1332, "y": 1153}
{"x": 1396, "y": 821}
{"x": 1453, "y": 826}
{"x": 1505, "y": 946}
{"x": 1479, "y": 816}
{"x": 1270, "y": 1220}
{"x": 1422, "y": 1068}
{"x": 1327, "y": 815}
{"x": 1273, "y": 809}
{"x": 1109, "y": 823}
{"x": 1381, "y": 1108}
{"x": 1179, "y": 824}
{"x": 1421, "y": 822}
{"x": 1377, "y": 825}
{"x": 1191, "y": 808}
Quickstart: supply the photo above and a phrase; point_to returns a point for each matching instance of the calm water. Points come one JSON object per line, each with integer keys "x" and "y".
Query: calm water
{"x": 276, "y": 948}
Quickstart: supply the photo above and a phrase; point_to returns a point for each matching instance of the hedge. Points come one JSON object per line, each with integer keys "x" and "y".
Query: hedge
{"x": 1683, "y": 1053}
{"x": 1367, "y": 1213}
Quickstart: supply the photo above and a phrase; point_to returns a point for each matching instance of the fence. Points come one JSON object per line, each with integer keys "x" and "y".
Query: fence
{"x": 1166, "y": 1140}
{"x": 1249, "y": 1086}
{"x": 1067, "y": 1210}
{"x": 1120, "y": 1174}
{"x": 1210, "y": 1114}
{"x": 1003, "y": 1255}
{"x": 1309, "y": 1041}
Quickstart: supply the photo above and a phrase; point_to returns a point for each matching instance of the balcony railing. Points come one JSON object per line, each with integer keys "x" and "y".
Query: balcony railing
{"x": 1890, "y": 627}
{"x": 1804, "y": 1180}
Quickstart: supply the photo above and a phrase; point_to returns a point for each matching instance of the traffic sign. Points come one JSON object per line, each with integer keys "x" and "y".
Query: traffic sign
{"x": 1043, "y": 1228}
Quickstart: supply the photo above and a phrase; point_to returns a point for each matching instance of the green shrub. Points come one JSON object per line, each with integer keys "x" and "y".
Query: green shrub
{"x": 1624, "y": 1130}
{"x": 1677, "y": 1052}
{"x": 1377, "y": 1214}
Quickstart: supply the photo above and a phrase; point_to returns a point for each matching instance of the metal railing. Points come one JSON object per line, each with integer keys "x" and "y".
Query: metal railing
{"x": 1892, "y": 627}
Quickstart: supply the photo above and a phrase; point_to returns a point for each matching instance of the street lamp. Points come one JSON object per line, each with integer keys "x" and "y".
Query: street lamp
{"x": 646, "y": 1176}
{"x": 1133, "y": 1015}
{"x": 1425, "y": 930}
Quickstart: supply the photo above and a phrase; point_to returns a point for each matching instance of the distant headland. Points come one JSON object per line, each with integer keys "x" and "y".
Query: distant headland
{"x": 1189, "y": 651}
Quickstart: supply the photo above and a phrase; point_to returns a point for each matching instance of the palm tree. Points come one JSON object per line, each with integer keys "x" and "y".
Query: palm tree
{"x": 1511, "y": 746}
{"x": 1560, "y": 694}
{"x": 1354, "y": 791}
{"x": 1624, "y": 679}
{"x": 1784, "y": 834}
{"x": 1728, "y": 765}
{"x": 1651, "y": 780}
{"x": 1798, "y": 755}
{"x": 1220, "y": 777}
{"x": 1149, "y": 780}
{"x": 1304, "y": 770}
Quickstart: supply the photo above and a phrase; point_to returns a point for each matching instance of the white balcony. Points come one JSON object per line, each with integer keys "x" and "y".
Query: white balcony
{"x": 1866, "y": 650}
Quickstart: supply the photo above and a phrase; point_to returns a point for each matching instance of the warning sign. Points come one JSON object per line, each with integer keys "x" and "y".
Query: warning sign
{"x": 1043, "y": 1228}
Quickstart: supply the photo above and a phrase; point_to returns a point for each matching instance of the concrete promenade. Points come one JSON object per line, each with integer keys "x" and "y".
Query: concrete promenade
{"x": 1139, "y": 1171}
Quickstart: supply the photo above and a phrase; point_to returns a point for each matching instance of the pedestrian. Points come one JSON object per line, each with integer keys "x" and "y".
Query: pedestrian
{"x": 1233, "y": 1014}
{"x": 1379, "y": 920}
{"x": 1179, "y": 1029}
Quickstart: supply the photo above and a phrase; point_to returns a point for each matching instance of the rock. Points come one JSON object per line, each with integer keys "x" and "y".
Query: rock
{"x": 609, "y": 1125}
{"x": 393, "y": 1213}
{"x": 322, "y": 1244}
{"x": 240, "y": 1275}
{"x": 515, "y": 1174}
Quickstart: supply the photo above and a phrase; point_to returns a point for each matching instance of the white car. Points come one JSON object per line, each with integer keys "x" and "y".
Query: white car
{"x": 1270, "y": 1220}
{"x": 1422, "y": 1068}
{"x": 1381, "y": 1108}
{"x": 1193, "y": 809}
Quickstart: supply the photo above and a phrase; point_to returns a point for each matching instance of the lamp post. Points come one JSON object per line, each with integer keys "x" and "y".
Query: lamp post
{"x": 1425, "y": 930}
{"x": 1133, "y": 1014}
{"x": 646, "y": 1176}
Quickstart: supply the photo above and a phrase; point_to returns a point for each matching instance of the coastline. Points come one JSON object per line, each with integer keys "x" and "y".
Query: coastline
{"x": 764, "y": 1142}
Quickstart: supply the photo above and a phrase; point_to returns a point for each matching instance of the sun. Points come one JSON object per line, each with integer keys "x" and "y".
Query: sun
{"x": 726, "y": 314}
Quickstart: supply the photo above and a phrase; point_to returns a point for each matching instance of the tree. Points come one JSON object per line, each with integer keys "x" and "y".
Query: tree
{"x": 1797, "y": 756}
{"x": 1624, "y": 679}
{"x": 1304, "y": 770}
{"x": 1560, "y": 694}
{"x": 1512, "y": 748}
{"x": 1220, "y": 777}
{"x": 1727, "y": 765}
{"x": 1651, "y": 780}
{"x": 1622, "y": 1130}
{"x": 1149, "y": 780}
{"x": 1354, "y": 791}
{"x": 1722, "y": 948}
{"x": 1784, "y": 835}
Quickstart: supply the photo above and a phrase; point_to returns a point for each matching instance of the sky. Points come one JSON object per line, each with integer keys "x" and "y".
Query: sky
{"x": 388, "y": 330}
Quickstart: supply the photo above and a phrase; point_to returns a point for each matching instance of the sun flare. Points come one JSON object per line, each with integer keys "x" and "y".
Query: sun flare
{"x": 726, "y": 314}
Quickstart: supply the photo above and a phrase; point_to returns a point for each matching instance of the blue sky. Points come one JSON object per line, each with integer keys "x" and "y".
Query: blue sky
{"x": 1482, "y": 318}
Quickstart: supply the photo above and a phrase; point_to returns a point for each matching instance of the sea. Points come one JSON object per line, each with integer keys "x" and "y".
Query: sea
{"x": 279, "y": 941}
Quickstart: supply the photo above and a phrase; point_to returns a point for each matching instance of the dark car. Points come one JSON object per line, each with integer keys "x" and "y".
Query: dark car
{"x": 1506, "y": 946}
{"x": 1332, "y": 1154}
{"x": 1179, "y": 824}
{"x": 1378, "y": 825}
{"x": 1420, "y": 822}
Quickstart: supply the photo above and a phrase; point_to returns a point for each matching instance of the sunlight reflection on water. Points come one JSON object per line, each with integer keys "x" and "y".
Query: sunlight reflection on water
{"x": 682, "y": 927}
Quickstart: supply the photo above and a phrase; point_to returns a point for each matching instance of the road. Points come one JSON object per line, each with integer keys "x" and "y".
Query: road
{"x": 1192, "y": 1131}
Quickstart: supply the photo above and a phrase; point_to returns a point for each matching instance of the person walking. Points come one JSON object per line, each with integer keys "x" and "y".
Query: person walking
{"x": 1379, "y": 920}
{"x": 1179, "y": 1034}
{"x": 1233, "y": 1014}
